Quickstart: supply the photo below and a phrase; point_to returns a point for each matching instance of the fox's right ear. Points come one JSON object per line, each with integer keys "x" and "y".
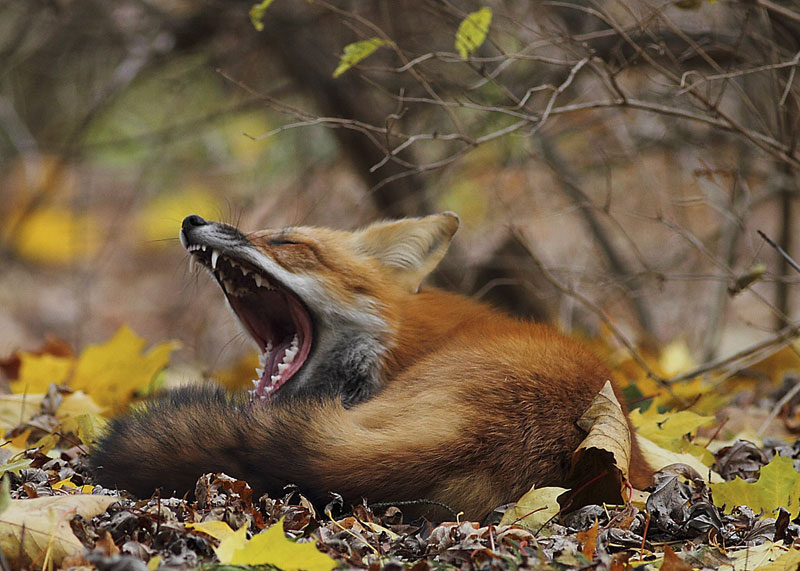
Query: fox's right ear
{"x": 411, "y": 248}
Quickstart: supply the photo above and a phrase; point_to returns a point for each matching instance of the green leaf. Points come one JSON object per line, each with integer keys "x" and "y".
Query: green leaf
{"x": 357, "y": 51}
{"x": 777, "y": 486}
{"x": 257, "y": 14}
{"x": 472, "y": 31}
{"x": 15, "y": 466}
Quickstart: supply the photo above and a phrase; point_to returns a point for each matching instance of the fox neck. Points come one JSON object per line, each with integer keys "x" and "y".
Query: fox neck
{"x": 354, "y": 363}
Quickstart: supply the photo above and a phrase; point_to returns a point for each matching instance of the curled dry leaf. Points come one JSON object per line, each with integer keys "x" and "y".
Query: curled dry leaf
{"x": 33, "y": 532}
{"x": 600, "y": 464}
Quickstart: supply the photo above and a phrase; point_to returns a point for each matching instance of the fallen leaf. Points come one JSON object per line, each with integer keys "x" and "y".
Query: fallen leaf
{"x": 600, "y": 464}
{"x": 37, "y": 532}
{"x": 78, "y": 235}
{"x": 15, "y": 465}
{"x": 534, "y": 509}
{"x": 659, "y": 457}
{"x": 16, "y": 409}
{"x": 231, "y": 545}
{"x": 113, "y": 371}
{"x": 764, "y": 556}
{"x": 90, "y": 428}
{"x": 588, "y": 540}
{"x": 789, "y": 560}
{"x": 271, "y": 547}
{"x": 214, "y": 528}
{"x": 669, "y": 430}
{"x": 672, "y": 562}
{"x": 36, "y": 372}
{"x": 777, "y": 486}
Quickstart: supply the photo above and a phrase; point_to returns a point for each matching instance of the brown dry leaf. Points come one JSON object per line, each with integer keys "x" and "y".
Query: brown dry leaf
{"x": 37, "y": 532}
{"x": 672, "y": 562}
{"x": 600, "y": 464}
{"x": 588, "y": 540}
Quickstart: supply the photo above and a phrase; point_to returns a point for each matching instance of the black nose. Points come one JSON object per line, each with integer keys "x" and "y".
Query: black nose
{"x": 191, "y": 221}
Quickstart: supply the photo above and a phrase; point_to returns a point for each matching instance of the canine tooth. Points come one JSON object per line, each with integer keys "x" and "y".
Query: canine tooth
{"x": 282, "y": 368}
{"x": 191, "y": 263}
{"x": 257, "y": 278}
{"x": 228, "y": 285}
{"x": 214, "y": 258}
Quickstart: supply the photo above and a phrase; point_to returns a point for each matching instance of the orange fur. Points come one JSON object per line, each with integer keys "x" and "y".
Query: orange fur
{"x": 462, "y": 405}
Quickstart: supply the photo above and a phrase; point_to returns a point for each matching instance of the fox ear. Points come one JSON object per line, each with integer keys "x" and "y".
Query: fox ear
{"x": 411, "y": 248}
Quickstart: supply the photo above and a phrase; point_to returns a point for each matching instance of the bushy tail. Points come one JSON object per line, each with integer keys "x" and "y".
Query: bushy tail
{"x": 320, "y": 446}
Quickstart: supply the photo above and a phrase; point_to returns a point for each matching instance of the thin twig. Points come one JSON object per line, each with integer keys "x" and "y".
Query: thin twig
{"x": 589, "y": 304}
{"x": 782, "y": 337}
{"x": 777, "y": 408}
{"x": 780, "y": 250}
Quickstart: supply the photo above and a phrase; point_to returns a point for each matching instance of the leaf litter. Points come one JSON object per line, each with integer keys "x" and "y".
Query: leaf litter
{"x": 746, "y": 518}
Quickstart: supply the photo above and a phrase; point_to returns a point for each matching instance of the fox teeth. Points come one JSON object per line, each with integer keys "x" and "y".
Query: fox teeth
{"x": 260, "y": 372}
{"x": 214, "y": 258}
{"x": 203, "y": 247}
{"x": 289, "y": 356}
{"x": 191, "y": 263}
{"x": 228, "y": 285}
{"x": 275, "y": 378}
{"x": 295, "y": 341}
{"x": 244, "y": 270}
{"x": 282, "y": 368}
{"x": 255, "y": 383}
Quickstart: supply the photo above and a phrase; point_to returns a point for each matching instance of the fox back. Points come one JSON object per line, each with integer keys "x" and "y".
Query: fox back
{"x": 368, "y": 386}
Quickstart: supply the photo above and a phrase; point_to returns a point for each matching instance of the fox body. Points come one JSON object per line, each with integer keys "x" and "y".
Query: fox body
{"x": 368, "y": 386}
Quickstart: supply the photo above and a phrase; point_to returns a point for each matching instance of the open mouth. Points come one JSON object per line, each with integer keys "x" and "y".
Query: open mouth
{"x": 274, "y": 317}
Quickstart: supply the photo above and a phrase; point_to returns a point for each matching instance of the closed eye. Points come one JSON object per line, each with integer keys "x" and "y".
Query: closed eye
{"x": 282, "y": 242}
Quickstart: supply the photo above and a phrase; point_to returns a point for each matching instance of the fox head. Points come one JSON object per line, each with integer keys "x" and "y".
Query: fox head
{"x": 322, "y": 305}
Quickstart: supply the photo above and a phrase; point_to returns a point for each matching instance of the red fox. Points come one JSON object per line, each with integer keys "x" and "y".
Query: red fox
{"x": 369, "y": 386}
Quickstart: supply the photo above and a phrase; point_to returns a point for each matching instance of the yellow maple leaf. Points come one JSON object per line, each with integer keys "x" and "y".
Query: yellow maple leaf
{"x": 113, "y": 371}
{"x": 215, "y": 528}
{"x": 778, "y": 486}
{"x": 36, "y": 372}
{"x": 271, "y": 547}
{"x": 55, "y": 235}
{"x": 669, "y": 430}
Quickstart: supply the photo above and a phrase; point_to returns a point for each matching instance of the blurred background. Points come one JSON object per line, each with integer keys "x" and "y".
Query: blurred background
{"x": 612, "y": 161}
